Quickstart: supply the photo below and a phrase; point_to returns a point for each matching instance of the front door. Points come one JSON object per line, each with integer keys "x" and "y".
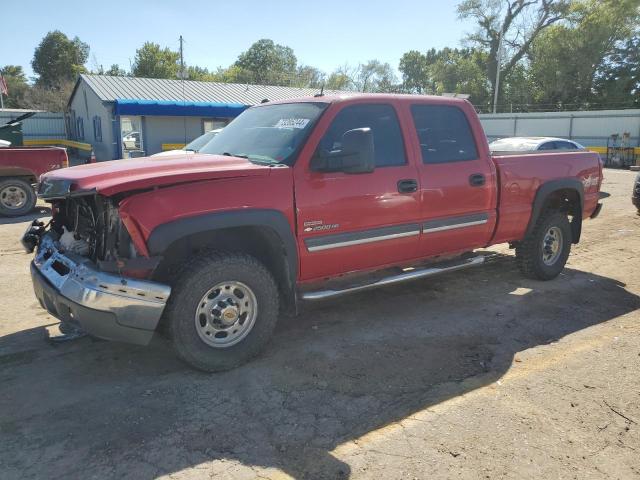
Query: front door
{"x": 350, "y": 222}
{"x": 457, "y": 181}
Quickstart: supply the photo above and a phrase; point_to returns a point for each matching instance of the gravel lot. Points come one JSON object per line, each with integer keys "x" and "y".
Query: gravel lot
{"x": 475, "y": 374}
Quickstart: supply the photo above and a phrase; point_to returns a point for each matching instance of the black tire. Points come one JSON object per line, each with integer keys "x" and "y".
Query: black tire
{"x": 11, "y": 186}
{"x": 530, "y": 253}
{"x": 197, "y": 277}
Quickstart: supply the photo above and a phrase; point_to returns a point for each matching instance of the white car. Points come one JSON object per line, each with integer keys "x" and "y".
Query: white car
{"x": 192, "y": 147}
{"x": 532, "y": 144}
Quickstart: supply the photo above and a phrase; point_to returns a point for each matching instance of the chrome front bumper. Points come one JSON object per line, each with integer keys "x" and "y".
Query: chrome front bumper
{"x": 102, "y": 304}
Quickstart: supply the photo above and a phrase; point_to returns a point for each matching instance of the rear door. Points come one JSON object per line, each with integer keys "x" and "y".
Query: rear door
{"x": 350, "y": 222}
{"x": 457, "y": 181}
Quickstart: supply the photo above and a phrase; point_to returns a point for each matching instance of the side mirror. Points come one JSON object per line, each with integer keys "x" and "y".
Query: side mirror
{"x": 355, "y": 156}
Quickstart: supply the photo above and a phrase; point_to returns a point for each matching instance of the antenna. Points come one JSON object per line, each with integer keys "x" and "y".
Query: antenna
{"x": 321, "y": 94}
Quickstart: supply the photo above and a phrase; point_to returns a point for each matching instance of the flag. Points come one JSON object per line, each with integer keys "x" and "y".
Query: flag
{"x": 3, "y": 86}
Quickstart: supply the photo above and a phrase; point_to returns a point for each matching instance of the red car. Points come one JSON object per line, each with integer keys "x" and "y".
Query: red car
{"x": 300, "y": 200}
{"x": 20, "y": 168}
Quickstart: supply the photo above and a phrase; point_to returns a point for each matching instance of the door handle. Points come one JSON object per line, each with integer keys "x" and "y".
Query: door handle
{"x": 407, "y": 186}
{"x": 476, "y": 180}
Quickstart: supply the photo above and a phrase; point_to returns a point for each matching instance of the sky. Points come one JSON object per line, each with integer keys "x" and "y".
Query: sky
{"x": 325, "y": 34}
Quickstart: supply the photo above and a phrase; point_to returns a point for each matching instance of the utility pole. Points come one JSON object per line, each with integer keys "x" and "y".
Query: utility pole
{"x": 182, "y": 72}
{"x": 498, "y": 65}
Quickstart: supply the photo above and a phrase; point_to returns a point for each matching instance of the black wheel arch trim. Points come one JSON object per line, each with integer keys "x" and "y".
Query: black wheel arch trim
{"x": 163, "y": 236}
{"x": 546, "y": 189}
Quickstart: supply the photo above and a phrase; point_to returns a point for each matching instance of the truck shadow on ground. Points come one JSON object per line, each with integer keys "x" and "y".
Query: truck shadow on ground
{"x": 341, "y": 370}
{"x": 37, "y": 212}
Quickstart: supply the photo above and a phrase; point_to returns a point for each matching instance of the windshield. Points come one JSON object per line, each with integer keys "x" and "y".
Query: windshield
{"x": 269, "y": 133}
{"x": 197, "y": 144}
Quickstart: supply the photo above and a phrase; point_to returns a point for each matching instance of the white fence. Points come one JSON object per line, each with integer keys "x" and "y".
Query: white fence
{"x": 43, "y": 125}
{"x": 592, "y": 129}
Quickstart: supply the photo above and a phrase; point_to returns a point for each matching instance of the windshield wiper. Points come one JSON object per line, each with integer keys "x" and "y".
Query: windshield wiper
{"x": 227, "y": 154}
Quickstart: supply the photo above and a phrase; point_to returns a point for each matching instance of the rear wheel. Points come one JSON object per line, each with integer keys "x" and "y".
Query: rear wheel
{"x": 543, "y": 254}
{"x": 222, "y": 310}
{"x": 16, "y": 197}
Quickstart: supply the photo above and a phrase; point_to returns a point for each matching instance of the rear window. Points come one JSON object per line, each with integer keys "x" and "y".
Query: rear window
{"x": 444, "y": 134}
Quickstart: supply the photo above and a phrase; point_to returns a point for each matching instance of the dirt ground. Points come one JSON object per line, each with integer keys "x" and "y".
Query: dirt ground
{"x": 475, "y": 374}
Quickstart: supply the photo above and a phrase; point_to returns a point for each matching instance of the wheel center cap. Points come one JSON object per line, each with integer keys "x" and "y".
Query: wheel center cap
{"x": 229, "y": 316}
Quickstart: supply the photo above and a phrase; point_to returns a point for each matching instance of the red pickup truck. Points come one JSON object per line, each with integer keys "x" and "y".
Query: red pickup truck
{"x": 20, "y": 168}
{"x": 299, "y": 200}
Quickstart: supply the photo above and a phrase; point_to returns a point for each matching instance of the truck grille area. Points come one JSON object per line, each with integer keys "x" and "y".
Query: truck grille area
{"x": 90, "y": 226}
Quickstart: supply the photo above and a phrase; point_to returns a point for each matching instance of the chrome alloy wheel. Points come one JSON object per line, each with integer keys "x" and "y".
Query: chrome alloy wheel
{"x": 13, "y": 197}
{"x": 552, "y": 246}
{"x": 226, "y": 314}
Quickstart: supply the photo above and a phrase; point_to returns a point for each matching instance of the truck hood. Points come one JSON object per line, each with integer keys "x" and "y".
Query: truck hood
{"x": 116, "y": 176}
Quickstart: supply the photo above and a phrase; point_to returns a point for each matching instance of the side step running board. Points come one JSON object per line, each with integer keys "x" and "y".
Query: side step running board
{"x": 393, "y": 279}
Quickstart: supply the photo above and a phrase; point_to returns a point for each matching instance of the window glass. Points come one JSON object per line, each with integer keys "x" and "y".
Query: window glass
{"x": 444, "y": 134}
{"x": 97, "y": 128}
{"x": 130, "y": 131}
{"x": 197, "y": 144}
{"x": 80, "y": 128}
{"x": 209, "y": 124}
{"x": 565, "y": 146}
{"x": 383, "y": 122}
{"x": 548, "y": 146}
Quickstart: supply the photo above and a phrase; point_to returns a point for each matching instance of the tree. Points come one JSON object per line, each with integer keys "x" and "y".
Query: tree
{"x": 375, "y": 76}
{"x": 618, "y": 81}
{"x": 39, "y": 97}
{"x": 341, "y": 78}
{"x": 520, "y": 21}
{"x": 567, "y": 60}
{"x": 449, "y": 70}
{"x": 309, "y": 77}
{"x": 57, "y": 59}
{"x": 199, "y": 74}
{"x": 116, "y": 71}
{"x": 268, "y": 63}
{"x": 414, "y": 67}
{"x": 152, "y": 61}
{"x": 16, "y": 85}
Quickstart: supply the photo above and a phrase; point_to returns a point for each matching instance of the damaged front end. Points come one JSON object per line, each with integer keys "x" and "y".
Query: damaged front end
{"x": 88, "y": 273}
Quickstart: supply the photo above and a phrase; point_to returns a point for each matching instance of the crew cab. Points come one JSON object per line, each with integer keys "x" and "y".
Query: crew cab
{"x": 296, "y": 201}
{"x": 20, "y": 168}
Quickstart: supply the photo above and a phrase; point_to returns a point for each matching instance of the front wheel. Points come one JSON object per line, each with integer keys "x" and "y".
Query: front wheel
{"x": 16, "y": 197}
{"x": 222, "y": 310}
{"x": 543, "y": 254}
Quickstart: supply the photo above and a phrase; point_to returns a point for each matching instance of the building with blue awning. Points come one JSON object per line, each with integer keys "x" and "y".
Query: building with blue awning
{"x": 123, "y": 117}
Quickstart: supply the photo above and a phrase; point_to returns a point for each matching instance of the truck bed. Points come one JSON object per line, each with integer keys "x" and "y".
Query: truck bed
{"x": 520, "y": 176}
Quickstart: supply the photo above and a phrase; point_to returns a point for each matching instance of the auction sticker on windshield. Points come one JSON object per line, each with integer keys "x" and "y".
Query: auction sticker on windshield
{"x": 292, "y": 123}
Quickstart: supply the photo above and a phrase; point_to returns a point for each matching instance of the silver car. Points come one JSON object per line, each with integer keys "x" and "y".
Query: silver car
{"x": 532, "y": 144}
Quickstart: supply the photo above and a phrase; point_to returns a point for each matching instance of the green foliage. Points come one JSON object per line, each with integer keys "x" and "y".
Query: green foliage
{"x": 375, "y": 76}
{"x": 414, "y": 67}
{"x": 340, "y": 79}
{"x": 115, "y": 71}
{"x": 266, "y": 62}
{"x": 567, "y": 60}
{"x": 200, "y": 74}
{"x": 39, "y": 97}
{"x": 16, "y": 84}
{"x": 152, "y": 61}
{"x": 58, "y": 59}
{"x": 449, "y": 70}
{"x": 618, "y": 81}
{"x": 309, "y": 77}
